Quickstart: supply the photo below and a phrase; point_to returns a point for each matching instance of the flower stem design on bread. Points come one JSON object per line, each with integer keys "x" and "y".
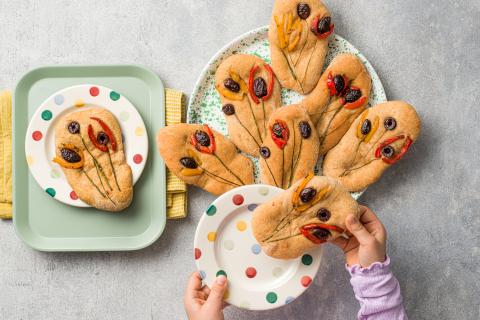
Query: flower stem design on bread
{"x": 249, "y": 92}
{"x": 341, "y": 94}
{"x": 378, "y": 138}
{"x": 298, "y": 37}
{"x": 290, "y": 150}
{"x": 309, "y": 213}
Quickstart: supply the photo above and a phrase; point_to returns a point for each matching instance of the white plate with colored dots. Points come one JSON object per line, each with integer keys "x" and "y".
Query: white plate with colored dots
{"x": 40, "y": 137}
{"x": 224, "y": 244}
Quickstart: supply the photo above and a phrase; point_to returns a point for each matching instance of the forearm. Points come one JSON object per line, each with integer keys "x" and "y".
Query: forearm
{"x": 377, "y": 291}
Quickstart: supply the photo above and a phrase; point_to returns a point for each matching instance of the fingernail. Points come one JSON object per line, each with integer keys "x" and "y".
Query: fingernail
{"x": 221, "y": 279}
{"x": 352, "y": 219}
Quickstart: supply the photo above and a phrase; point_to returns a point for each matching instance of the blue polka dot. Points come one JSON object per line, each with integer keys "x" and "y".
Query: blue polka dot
{"x": 252, "y": 206}
{"x": 59, "y": 99}
{"x": 202, "y": 274}
{"x": 256, "y": 249}
{"x": 289, "y": 299}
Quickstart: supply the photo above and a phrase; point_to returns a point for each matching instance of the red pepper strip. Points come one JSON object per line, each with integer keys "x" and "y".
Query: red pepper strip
{"x": 271, "y": 81}
{"x": 402, "y": 152}
{"x": 305, "y": 230}
{"x": 251, "y": 81}
{"x": 355, "y": 104}
{"x": 378, "y": 152}
{"x": 280, "y": 142}
{"x": 314, "y": 29}
{"x": 331, "y": 84}
{"x": 198, "y": 146}
{"x": 92, "y": 137}
{"x": 213, "y": 144}
{"x": 108, "y": 132}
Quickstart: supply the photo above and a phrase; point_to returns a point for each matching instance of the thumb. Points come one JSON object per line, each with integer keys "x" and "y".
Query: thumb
{"x": 358, "y": 230}
{"x": 215, "y": 298}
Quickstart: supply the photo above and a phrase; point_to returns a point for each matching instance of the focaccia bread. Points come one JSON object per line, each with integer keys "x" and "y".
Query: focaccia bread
{"x": 203, "y": 157}
{"x": 290, "y": 149}
{"x": 249, "y": 92}
{"x": 90, "y": 151}
{"x": 306, "y": 215}
{"x": 341, "y": 94}
{"x": 298, "y": 37}
{"x": 378, "y": 138}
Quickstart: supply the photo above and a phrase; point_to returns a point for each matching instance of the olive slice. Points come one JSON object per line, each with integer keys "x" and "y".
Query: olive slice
{"x": 188, "y": 162}
{"x": 102, "y": 138}
{"x": 265, "y": 152}
{"x": 202, "y": 138}
{"x": 303, "y": 10}
{"x": 339, "y": 83}
{"x": 323, "y": 214}
{"x": 260, "y": 88}
{"x": 321, "y": 233}
{"x": 305, "y": 129}
{"x": 352, "y": 95}
{"x": 73, "y": 127}
{"x": 390, "y": 123}
{"x": 388, "y": 151}
{"x": 231, "y": 85}
{"x": 307, "y": 194}
{"x": 366, "y": 127}
{"x": 324, "y": 25}
{"x": 228, "y": 109}
{"x": 70, "y": 156}
{"x": 277, "y": 130}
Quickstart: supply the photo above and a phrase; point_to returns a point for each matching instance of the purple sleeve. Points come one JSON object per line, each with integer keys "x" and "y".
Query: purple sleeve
{"x": 377, "y": 291}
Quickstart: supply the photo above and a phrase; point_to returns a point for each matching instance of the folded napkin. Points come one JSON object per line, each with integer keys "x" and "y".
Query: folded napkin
{"x": 5, "y": 155}
{"x": 176, "y": 188}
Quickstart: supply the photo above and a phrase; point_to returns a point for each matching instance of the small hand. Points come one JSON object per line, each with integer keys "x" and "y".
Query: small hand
{"x": 201, "y": 303}
{"x": 368, "y": 243}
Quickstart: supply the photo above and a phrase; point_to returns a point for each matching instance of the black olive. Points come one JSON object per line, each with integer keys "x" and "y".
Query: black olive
{"x": 188, "y": 162}
{"x": 324, "y": 25}
{"x": 339, "y": 83}
{"x": 277, "y": 130}
{"x": 321, "y": 233}
{"x": 260, "y": 87}
{"x": 366, "y": 127}
{"x": 307, "y": 194}
{"x": 323, "y": 214}
{"x": 265, "y": 152}
{"x": 305, "y": 129}
{"x": 102, "y": 138}
{"x": 390, "y": 123}
{"x": 388, "y": 151}
{"x": 231, "y": 85}
{"x": 70, "y": 155}
{"x": 73, "y": 127}
{"x": 352, "y": 95}
{"x": 202, "y": 138}
{"x": 228, "y": 109}
{"x": 303, "y": 11}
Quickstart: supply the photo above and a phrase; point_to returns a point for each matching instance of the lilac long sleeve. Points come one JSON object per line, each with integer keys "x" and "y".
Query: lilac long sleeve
{"x": 377, "y": 291}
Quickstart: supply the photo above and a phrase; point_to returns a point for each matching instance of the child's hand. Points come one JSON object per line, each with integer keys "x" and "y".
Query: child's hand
{"x": 201, "y": 303}
{"x": 368, "y": 244}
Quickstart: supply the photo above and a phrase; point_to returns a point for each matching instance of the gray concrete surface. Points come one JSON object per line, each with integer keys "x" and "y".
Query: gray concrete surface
{"x": 426, "y": 52}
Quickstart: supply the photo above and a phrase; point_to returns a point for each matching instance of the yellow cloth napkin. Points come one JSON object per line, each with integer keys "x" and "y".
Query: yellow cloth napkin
{"x": 5, "y": 155}
{"x": 176, "y": 188}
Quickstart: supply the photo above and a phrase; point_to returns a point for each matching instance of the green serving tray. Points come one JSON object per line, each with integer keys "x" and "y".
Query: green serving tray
{"x": 49, "y": 225}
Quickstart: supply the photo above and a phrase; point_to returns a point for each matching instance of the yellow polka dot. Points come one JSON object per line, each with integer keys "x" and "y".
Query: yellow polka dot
{"x": 226, "y": 295}
{"x": 241, "y": 225}
{"x": 211, "y": 236}
{"x": 139, "y": 131}
{"x": 30, "y": 160}
{"x": 79, "y": 103}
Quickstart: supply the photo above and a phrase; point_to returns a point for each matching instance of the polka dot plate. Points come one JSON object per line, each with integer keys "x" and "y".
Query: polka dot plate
{"x": 40, "y": 136}
{"x": 224, "y": 244}
{"x": 205, "y": 105}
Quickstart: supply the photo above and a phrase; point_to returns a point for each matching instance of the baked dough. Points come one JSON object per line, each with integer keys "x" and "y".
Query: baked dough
{"x": 378, "y": 138}
{"x": 203, "y": 157}
{"x": 309, "y": 213}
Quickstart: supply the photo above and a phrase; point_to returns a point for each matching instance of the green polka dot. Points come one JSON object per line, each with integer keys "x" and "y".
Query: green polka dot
{"x": 55, "y": 174}
{"x": 211, "y": 210}
{"x": 114, "y": 96}
{"x": 307, "y": 259}
{"x": 221, "y": 273}
{"x": 263, "y": 191}
{"x": 272, "y": 297}
{"x": 51, "y": 192}
{"x": 46, "y": 115}
{"x": 124, "y": 116}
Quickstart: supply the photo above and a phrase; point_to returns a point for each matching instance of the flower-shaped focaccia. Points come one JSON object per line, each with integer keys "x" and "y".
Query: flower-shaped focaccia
{"x": 203, "y": 157}
{"x": 249, "y": 92}
{"x": 311, "y": 212}
{"x": 298, "y": 36}
{"x": 341, "y": 94}
{"x": 290, "y": 149}
{"x": 378, "y": 138}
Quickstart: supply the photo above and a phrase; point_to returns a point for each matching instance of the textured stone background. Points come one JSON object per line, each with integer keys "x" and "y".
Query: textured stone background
{"x": 426, "y": 52}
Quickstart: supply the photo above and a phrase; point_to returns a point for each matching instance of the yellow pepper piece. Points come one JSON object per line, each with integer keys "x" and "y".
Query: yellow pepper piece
{"x": 320, "y": 195}
{"x": 193, "y": 155}
{"x": 68, "y": 165}
{"x": 369, "y": 136}
{"x": 191, "y": 172}
{"x": 359, "y": 126}
{"x": 229, "y": 94}
{"x": 294, "y": 43}
{"x": 281, "y": 34}
{"x": 296, "y": 193}
{"x": 289, "y": 23}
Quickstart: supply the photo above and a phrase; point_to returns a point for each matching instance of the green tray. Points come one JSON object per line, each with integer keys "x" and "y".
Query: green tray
{"x": 48, "y": 225}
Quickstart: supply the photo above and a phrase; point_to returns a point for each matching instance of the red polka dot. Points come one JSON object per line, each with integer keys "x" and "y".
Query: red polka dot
{"x": 94, "y": 91}
{"x": 137, "y": 158}
{"x": 37, "y": 135}
{"x": 250, "y": 272}
{"x": 73, "y": 195}
{"x": 198, "y": 253}
{"x": 237, "y": 199}
{"x": 306, "y": 280}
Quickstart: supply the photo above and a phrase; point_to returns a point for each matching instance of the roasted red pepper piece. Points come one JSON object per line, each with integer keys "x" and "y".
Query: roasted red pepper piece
{"x": 354, "y": 105}
{"x": 93, "y": 139}
{"x": 213, "y": 144}
{"x": 305, "y": 231}
{"x": 108, "y": 132}
{"x": 406, "y": 146}
{"x": 271, "y": 81}
{"x": 314, "y": 29}
{"x": 281, "y": 142}
{"x": 211, "y": 148}
{"x": 251, "y": 80}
